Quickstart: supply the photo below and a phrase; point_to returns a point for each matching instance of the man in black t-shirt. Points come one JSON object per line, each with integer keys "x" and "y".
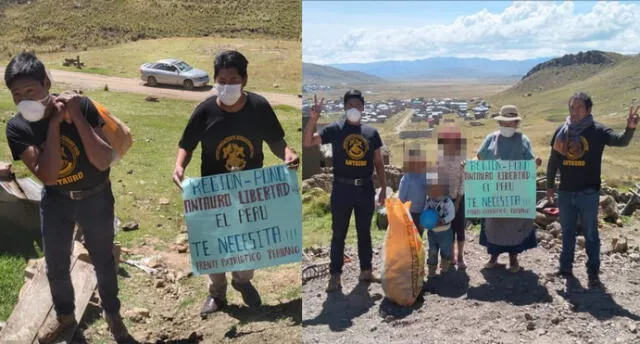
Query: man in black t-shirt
{"x": 577, "y": 148}
{"x": 60, "y": 140}
{"x": 356, "y": 149}
{"x": 231, "y": 128}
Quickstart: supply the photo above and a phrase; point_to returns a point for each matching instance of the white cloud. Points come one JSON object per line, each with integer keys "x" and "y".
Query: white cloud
{"x": 523, "y": 30}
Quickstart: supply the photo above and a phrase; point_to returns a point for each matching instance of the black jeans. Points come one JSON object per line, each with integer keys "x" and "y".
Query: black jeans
{"x": 345, "y": 199}
{"x": 95, "y": 215}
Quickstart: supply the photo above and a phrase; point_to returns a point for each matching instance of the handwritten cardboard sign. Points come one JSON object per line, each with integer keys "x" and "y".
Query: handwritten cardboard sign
{"x": 500, "y": 188}
{"x": 243, "y": 220}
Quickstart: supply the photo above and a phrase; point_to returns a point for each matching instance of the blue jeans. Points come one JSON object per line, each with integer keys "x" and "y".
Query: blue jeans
{"x": 585, "y": 204}
{"x": 439, "y": 242}
{"x": 95, "y": 215}
{"x": 346, "y": 199}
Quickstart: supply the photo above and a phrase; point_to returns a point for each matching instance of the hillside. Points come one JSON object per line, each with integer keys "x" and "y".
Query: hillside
{"x": 613, "y": 88}
{"x": 325, "y": 75}
{"x": 50, "y": 25}
{"x": 567, "y": 69}
{"x": 444, "y": 68}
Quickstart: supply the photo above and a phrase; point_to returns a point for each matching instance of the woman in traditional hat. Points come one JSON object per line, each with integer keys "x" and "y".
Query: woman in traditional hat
{"x": 507, "y": 235}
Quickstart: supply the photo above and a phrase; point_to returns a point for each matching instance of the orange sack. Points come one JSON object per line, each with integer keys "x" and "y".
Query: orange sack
{"x": 116, "y": 132}
{"x": 403, "y": 270}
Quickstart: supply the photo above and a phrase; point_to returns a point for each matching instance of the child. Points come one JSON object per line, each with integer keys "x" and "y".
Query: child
{"x": 441, "y": 236}
{"x": 452, "y": 148}
{"x": 413, "y": 184}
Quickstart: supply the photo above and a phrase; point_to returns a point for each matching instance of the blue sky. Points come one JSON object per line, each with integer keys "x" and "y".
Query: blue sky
{"x": 367, "y": 31}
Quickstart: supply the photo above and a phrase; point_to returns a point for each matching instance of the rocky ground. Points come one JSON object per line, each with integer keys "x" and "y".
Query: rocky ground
{"x": 479, "y": 305}
{"x": 163, "y": 306}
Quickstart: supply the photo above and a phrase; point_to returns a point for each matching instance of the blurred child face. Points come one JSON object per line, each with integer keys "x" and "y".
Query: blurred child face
{"x": 414, "y": 161}
{"x": 451, "y": 144}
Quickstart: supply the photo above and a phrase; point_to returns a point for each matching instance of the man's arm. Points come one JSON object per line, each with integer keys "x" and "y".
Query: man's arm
{"x": 284, "y": 152}
{"x": 45, "y": 164}
{"x": 183, "y": 157}
{"x": 98, "y": 151}
{"x": 309, "y": 137}
{"x": 619, "y": 139}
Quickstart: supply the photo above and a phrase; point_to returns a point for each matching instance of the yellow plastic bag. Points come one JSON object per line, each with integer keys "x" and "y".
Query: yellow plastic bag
{"x": 403, "y": 271}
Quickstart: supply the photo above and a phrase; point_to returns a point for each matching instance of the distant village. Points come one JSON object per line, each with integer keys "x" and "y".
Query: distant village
{"x": 430, "y": 110}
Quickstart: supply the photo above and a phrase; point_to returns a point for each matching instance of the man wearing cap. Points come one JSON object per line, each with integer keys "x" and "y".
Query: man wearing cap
{"x": 356, "y": 149}
{"x": 507, "y": 235}
{"x": 577, "y": 147}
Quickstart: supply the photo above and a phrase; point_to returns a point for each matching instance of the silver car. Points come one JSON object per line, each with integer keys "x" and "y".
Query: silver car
{"x": 173, "y": 72}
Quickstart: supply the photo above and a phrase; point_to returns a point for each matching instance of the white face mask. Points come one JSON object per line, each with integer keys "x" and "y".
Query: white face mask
{"x": 229, "y": 93}
{"x": 33, "y": 110}
{"x": 353, "y": 115}
{"x": 507, "y": 131}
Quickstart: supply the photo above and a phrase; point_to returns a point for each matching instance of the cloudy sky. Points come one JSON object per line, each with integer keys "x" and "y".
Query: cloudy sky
{"x": 359, "y": 31}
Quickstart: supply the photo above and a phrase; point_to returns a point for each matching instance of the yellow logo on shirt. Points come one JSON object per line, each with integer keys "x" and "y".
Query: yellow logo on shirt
{"x": 356, "y": 148}
{"x": 235, "y": 151}
{"x": 575, "y": 152}
{"x": 69, "y": 153}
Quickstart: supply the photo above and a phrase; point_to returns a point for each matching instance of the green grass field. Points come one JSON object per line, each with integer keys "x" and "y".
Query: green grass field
{"x": 141, "y": 178}
{"x": 51, "y": 25}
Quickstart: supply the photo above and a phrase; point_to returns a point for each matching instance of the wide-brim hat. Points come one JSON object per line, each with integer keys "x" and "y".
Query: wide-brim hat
{"x": 508, "y": 113}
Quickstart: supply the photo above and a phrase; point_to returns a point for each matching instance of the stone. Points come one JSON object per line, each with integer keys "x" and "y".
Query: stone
{"x": 554, "y": 229}
{"x": 609, "y": 208}
{"x": 633, "y": 327}
{"x": 580, "y": 241}
{"x": 528, "y": 317}
{"x": 556, "y": 320}
{"x": 163, "y": 201}
{"x": 634, "y": 257}
{"x": 531, "y": 326}
{"x": 182, "y": 248}
{"x": 159, "y": 284}
{"x": 130, "y": 226}
{"x": 137, "y": 314}
{"x": 182, "y": 239}
{"x": 619, "y": 223}
{"x": 619, "y": 245}
{"x": 543, "y": 220}
{"x": 155, "y": 262}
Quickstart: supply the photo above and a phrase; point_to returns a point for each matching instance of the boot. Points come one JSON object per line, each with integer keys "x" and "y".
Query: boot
{"x": 368, "y": 276}
{"x": 117, "y": 328}
{"x": 432, "y": 270}
{"x": 54, "y": 327}
{"x": 249, "y": 293}
{"x": 334, "y": 283}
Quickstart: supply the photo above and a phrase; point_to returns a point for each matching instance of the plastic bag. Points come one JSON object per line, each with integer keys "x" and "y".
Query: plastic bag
{"x": 403, "y": 270}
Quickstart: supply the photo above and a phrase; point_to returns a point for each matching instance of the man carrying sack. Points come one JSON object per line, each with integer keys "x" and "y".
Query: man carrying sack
{"x": 61, "y": 141}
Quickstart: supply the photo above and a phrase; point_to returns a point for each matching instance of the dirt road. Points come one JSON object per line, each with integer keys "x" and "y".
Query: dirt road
{"x": 132, "y": 85}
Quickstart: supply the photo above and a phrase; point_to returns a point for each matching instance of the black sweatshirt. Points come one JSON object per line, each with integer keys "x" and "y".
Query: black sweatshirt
{"x": 582, "y": 171}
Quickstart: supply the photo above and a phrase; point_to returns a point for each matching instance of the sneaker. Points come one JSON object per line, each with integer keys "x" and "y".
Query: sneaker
{"x": 368, "y": 276}
{"x": 54, "y": 327}
{"x": 117, "y": 328}
{"x": 249, "y": 293}
{"x": 211, "y": 305}
{"x": 334, "y": 283}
